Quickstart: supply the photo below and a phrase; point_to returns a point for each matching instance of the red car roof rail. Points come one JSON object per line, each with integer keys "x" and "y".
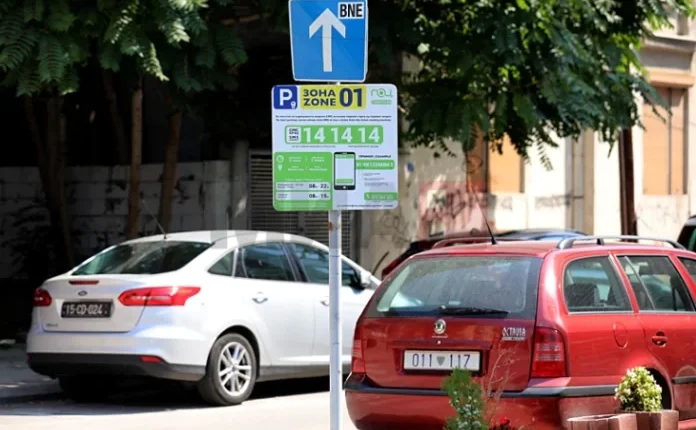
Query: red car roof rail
{"x": 469, "y": 240}
{"x": 569, "y": 242}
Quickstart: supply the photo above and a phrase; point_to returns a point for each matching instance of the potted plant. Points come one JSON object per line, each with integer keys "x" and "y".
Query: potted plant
{"x": 639, "y": 394}
{"x": 608, "y": 422}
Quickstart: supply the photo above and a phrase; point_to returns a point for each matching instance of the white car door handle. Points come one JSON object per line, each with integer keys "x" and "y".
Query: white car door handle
{"x": 260, "y": 298}
{"x": 325, "y": 301}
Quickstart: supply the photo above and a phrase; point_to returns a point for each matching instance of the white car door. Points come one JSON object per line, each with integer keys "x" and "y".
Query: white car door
{"x": 314, "y": 262}
{"x": 284, "y": 306}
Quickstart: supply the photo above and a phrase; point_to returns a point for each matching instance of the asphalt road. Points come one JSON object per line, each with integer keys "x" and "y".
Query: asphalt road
{"x": 296, "y": 405}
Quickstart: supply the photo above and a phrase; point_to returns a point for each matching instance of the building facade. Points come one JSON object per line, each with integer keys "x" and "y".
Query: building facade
{"x": 438, "y": 195}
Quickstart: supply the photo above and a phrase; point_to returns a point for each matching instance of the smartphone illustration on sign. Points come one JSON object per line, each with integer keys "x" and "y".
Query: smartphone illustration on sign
{"x": 344, "y": 170}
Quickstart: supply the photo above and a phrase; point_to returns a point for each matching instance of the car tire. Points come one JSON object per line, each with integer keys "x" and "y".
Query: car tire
{"x": 83, "y": 389}
{"x": 229, "y": 380}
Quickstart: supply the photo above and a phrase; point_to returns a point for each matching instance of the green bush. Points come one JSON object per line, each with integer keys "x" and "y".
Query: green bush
{"x": 639, "y": 392}
{"x": 467, "y": 400}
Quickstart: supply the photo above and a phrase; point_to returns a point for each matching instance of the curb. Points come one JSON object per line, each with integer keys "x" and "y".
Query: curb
{"x": 46, "y": 391}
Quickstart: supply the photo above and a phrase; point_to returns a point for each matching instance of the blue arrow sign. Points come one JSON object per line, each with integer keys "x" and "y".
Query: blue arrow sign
{"x": 328, "y": 40}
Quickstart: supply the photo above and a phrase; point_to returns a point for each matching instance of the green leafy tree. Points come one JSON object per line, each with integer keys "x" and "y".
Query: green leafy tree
{"x": 182, "y": 43}
{"x": 43, "y": 46}
{"x": 522, "y": 68}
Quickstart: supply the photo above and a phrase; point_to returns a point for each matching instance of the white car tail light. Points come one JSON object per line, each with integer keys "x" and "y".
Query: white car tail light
{"x": 42, "y": 298}
{"x": 158, "y": 296}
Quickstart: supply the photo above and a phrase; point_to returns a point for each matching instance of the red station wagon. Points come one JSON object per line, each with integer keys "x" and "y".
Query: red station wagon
{"x": 551, "y": 326}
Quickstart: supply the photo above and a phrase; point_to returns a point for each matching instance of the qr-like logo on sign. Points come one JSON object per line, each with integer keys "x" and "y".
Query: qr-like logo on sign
{"x": 293, "y": 135}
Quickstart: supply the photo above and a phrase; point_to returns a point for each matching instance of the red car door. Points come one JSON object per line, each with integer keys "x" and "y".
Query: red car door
{"x": 668, "y": 316}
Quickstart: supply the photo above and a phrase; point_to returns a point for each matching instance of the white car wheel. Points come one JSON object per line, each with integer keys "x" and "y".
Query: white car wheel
{"x": 231, "y": 371}
{"x": 234, "y": 368}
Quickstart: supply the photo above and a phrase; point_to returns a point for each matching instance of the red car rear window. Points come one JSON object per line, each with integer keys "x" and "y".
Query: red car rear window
{"x": 461, "y": 285}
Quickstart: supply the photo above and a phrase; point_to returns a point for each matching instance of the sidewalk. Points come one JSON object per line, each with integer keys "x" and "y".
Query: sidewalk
{"x": 17, "y": 380}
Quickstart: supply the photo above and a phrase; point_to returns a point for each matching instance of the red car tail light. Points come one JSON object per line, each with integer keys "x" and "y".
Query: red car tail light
{"x": 42, "y": 298}
{"x": 549, "y": 359}
{"x": 357, "y": 363}
{"x": 158, "y": 296}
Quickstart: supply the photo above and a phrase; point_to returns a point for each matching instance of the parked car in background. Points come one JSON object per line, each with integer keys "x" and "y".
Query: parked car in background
{"x": 424, "y": 245}
{"x": 526, "y": 234}
{"x": 553, "y": 235}
{"x": 687, "y": 236}
{"x": 550, "y": 327}
{"x": 222, "y": 310}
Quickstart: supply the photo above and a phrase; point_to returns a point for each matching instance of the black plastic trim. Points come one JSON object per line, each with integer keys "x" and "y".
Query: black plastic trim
{"x": 681, "y": 380}
{"x": 359, "y": 385}
{"x": 55, "y": 365}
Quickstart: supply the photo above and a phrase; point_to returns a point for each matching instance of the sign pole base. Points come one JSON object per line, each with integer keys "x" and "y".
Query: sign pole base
{"x": 335, "y": 363}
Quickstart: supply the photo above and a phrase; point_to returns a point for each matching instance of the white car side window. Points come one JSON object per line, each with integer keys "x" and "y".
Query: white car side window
{"x": 315, "y": 264}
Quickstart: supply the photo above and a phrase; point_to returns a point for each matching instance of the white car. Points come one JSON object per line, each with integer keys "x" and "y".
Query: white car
{"x": 221, "y": 309}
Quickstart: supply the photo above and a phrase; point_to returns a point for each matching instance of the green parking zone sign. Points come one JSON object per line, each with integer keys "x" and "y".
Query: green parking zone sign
{"x": 335, "y": 147}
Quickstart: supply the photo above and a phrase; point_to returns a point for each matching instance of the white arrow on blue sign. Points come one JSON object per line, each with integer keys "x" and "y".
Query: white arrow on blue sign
{"x": 328, "y": 40}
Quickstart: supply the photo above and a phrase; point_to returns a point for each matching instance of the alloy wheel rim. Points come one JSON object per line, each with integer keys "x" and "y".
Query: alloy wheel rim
{"x": 234, "y": 369}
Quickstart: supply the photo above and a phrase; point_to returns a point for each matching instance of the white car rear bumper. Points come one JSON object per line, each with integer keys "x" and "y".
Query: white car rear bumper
{"x": 163, "y": 352}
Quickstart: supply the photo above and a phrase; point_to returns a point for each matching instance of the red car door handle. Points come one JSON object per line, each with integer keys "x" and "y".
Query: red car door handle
{"x": 659, "y": 339}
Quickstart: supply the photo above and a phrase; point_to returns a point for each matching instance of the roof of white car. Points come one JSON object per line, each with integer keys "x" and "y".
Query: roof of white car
{"x": 241, "y": 237}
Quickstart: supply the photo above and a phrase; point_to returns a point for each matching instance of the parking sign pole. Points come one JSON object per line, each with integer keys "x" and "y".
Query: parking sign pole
{"x": 335, "y": 353}
{"x": 336, "y": 364}
{"x": 338, "y": 148}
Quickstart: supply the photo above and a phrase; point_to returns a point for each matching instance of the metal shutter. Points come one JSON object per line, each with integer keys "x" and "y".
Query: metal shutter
{"x": 309, "y": 224}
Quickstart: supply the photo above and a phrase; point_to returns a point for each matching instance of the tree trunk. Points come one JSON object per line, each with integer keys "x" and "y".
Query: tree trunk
{"x": 51, "y": 156}
{"x": 171, "y": 158}
{"x": 136, "y": 160}
{"x": 629, "y": 224}
{"x": 119, "y": 142}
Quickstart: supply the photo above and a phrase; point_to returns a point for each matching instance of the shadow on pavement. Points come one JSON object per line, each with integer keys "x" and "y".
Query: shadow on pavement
{"x": 152, "y": 397}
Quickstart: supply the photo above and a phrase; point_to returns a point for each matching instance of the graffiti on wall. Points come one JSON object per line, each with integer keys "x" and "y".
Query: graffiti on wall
{"x": 554, "y": 201}
{"x": 662, "y": 216}
{"x": 394, "y": 225}
{"x": 445, "y": 207}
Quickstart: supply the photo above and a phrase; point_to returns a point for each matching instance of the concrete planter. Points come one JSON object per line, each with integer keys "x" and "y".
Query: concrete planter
{"x": 604, "y": 422}
{"x": 663, "y": 420}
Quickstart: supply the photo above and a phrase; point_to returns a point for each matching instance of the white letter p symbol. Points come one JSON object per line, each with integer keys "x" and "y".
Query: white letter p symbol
{"x": 285, "y": 95}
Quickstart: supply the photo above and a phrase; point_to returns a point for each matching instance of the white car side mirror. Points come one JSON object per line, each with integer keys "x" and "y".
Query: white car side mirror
{"x": 365, "y": 279}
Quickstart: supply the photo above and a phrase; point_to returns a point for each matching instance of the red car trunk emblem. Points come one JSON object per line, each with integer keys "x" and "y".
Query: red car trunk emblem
{"x": 440, "y": 326}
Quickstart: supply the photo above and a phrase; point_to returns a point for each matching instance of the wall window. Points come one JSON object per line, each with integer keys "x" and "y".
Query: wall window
{"x": 592, "y": 285}
{"x": 664, "y": 151}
